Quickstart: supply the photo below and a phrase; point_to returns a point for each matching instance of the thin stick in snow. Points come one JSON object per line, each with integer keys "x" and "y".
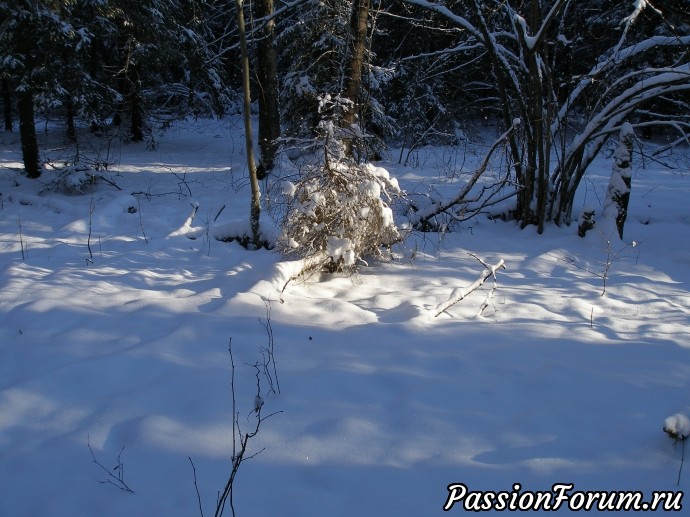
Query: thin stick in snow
{"x": 112, "y": 479}
{"x": 141, "y": 221}
{"x": 88, "y": 239}
{"x": 460, "y": 294}
{"x": 21, "y": 237}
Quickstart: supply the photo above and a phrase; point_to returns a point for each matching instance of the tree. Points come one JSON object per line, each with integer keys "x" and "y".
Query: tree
{"x": 267, "y": 79}
{"x": 163, "y": 61}
{"x": 556, "y": 123}
{"x": 338, "y": 212}
{"x": 359, "y": 25}
{"x": 6, "y": 103}
{"x": 618, "y": 190}
{"x": 312, "y": 42}
{"x": 255, "y": 204}
{"x": 27, "y": 133}
{"x": 31, "y": 33}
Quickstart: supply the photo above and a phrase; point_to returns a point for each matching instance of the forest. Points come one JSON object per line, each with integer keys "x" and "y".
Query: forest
{"x": 559, "y": 78}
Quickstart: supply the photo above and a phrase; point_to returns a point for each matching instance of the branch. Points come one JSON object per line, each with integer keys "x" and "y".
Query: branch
{"x": 460, "y": 294}
{"x": 439, "y": 208}
{"x": 117, "y": 481}
{"x": 196, "y": 486}
{"x": 240, "y": 440}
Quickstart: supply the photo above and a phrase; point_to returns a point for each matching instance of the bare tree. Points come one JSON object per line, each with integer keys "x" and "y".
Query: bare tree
{"x": 561, "y": 126}
{"x": 255, "y": 205}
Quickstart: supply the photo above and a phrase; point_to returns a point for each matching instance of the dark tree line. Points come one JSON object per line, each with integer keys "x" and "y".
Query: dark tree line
{"x": 558, "y": 77}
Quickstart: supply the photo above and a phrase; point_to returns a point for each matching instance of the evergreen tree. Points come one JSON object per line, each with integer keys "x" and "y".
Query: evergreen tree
{"x": 313, "y": 43}
{"x": 31, "y": 35}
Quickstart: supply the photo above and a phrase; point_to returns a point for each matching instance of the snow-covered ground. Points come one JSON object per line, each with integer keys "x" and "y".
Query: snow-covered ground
{"x": 382, "y": 405}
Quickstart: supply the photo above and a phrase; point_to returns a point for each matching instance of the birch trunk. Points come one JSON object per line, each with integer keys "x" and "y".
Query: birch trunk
{"x": 255, "y": 205}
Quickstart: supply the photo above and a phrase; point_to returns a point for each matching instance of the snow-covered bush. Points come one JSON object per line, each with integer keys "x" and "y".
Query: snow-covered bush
{"x": 74, "y": 179}
{"x": 338, "y": 210}
{"x": 338, "y": 213}
{"x": 677, "y": 426}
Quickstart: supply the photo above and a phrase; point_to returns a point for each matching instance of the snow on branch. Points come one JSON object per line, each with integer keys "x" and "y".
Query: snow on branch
{"x": 531, "y": 42}
{"x": 460, "y": 294}
{"x": 618, "y": 57}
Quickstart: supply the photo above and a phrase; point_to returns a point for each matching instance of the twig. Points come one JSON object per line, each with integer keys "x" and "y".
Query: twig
{"x": 682, "y": 459}
{"x": 21, "y": 238}
{"x": 141, "y": 221}
{"x": 611, "y": 257}
{"x": 148, "y": 195}
{"x": 117, "y": 481}
{"x": 240, "y": 440}
{"x": 425, "y": 216}
{"x": 183, "y": 181}
{"x": 269, "y": 358}
{"x": 218, "y": 214}
{"x": 196, "y": 487}
{"x": 110, "y": 182}
{"x": 88, "y": 240}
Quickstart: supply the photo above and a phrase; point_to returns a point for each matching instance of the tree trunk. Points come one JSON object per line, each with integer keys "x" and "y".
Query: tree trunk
{"x": 71, "y": 129}
{"x": 502, "y": 76}
{"x": 137, "y": 117}
{"x": 618, "y": 191}
{"x": 7, "y": 103}
{"x": 27, "y": 132}
{"x": 255, "y": 206}
{"x": 267, "y": 77}
{"x": 359, "y": 24}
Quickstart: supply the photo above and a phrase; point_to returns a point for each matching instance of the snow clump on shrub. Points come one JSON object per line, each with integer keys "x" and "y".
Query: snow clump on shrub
{"x": 677, "y": 426}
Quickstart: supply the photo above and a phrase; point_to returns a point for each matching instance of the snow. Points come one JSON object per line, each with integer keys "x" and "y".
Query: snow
{"x": 678, "y": 425}
{"x": 382, "y": 404}
{"x": 340, "y": 247}
{"x": 370, "y": 189}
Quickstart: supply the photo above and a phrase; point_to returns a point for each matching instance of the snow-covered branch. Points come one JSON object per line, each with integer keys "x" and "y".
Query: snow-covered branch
{"x": 532, "y": 42}
{"x": 602, "y": 67}
{"x": 458, "y": 20}
{"x": 460, "y": 294}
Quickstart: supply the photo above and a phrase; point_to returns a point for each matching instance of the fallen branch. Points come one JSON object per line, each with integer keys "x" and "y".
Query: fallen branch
{"x": 459, "y": 294}
{"x": 112, "y": 479}
{"x": 110, "y": 182}
{"x": 310, "y": 266}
